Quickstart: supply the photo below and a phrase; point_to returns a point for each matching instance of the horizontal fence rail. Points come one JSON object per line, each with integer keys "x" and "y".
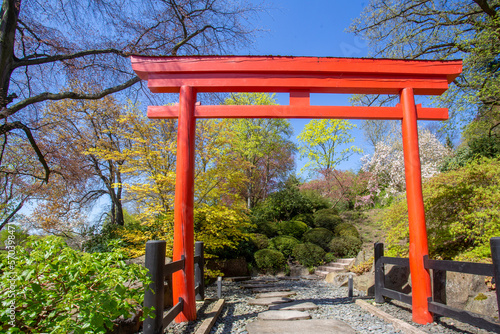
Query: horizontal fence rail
{"x": 159, "y": 271}
{"x": 439, "y": 267}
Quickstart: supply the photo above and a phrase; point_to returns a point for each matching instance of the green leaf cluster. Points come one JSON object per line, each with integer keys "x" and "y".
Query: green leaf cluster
{"x": 462, "y": 213}
{"x": 61, "y": 290}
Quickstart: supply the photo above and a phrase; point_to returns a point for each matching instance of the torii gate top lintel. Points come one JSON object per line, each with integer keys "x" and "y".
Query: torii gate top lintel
{"x": 298, "y": 76}
{"x": 225, "y": 73}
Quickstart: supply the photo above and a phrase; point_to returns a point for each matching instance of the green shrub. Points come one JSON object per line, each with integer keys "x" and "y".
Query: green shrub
{"x": 260, "y": 241}
{"x": 327, "y": 221}
{"x": 307, "y": 218}
{"x": 347, "y": 246}
{"x": 308, "y": 254}
{"x": 346, "y": 229}
{"x": 293, "y": 228}
{"x": 319, "y": 236}
{"x": 61, "y": 290}
{"x": 330, "y": 257}
{"x": 330, "y": 211}
{"x": 284, "y": 243}
{"x": 270, "y": 229}
{"x": 270, "y": 260}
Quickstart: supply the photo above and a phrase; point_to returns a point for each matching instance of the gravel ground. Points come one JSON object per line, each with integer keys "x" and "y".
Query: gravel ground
{"x": 333, "y": 304}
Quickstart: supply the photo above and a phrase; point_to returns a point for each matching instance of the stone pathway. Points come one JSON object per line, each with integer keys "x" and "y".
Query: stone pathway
{"x": 285, "y": 315}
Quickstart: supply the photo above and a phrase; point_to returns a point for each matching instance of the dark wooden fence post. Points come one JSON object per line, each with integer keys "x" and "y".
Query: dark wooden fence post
{"x": 199, "y": 270}
{"x": 495, "y": 256}
{"x": 155, "y": 263}
{"x": 379, "y": 272}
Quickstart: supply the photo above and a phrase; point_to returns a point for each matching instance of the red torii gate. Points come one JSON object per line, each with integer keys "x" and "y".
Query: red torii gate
{"x": 298, "y": 76}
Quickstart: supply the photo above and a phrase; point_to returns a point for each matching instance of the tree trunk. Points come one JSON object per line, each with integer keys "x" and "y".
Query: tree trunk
{"x": 8, "y": 23}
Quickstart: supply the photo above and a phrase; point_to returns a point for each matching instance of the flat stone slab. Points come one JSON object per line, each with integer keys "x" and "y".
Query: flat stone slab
{"x": 276, "y": 294}
{"x": 274, "y": 289}
{"x": 256, "y": 286}
{"x": 283, "y": 315}
{"x": 237, "y": 278}
{"x": 269, "y": 301}
{"x": 313, "y": 326}
{"x": 295, "y": 306}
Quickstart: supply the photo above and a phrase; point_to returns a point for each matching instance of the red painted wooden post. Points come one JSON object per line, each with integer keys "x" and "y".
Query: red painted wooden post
{"x": 421, "y": 281}
{"x": 183, "y": 281}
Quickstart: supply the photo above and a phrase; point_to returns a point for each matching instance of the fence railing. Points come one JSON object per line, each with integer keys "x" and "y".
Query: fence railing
{"x": 439, "y": 268}
{"x": 159, "y": 271}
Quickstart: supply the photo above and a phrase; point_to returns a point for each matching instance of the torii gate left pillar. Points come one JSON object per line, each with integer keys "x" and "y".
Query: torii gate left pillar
{"x": 298, "y": 76}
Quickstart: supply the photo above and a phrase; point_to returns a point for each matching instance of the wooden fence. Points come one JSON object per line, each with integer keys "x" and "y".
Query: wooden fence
{"x": 439, "y": 267}
{"x": 158, "y": 271}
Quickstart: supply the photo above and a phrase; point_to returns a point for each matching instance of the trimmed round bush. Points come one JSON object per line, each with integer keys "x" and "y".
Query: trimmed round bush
{"x": 347, "y": 246}
{"x": 308, "y": 254}
{"x": 327, "y": 221}
{"x": 260, "y": 240}
{"x": 319, "y": 236}
{"x": 307, "y": 218}
{"x": 285, "y": 244}
{"x": 346, "y": 229}
{"x": 269, "y": 260}
{"x": 293, "y": 228}
{"x": 270, "y": 229}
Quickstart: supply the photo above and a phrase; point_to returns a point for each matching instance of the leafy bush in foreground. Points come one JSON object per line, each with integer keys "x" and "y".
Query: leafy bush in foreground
{"x": 308, "y": 254}
{"x": 270, "y": 260}
{"x": 60, "y": 290}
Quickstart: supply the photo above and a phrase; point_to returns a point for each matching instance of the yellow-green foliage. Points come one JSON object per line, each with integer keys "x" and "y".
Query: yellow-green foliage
{"x": 221, "y": 227}
{"x": 462, "y": 213}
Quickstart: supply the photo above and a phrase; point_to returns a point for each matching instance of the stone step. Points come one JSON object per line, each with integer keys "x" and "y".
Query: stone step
{"x": 269, "y": 301}
{"x": 347, "y": 261}
{"x": 312, "y": 326}
{"x": 276, "y": 294}
{"x": 321, "y": 272}
{"x": 273, "y": 289}
{"x": 283, "y": 315}
{"x": 333, "y": 267}
{"x": 297, "y": 305}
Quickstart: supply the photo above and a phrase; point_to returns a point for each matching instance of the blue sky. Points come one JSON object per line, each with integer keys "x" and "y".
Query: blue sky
{"x": 313, "y": 28}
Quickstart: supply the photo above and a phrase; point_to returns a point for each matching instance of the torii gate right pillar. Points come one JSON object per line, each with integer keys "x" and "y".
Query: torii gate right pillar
{"x": 421, "y": 282}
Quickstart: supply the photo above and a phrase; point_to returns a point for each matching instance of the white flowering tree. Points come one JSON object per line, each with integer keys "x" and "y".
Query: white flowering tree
{"x": 387, "y": 162}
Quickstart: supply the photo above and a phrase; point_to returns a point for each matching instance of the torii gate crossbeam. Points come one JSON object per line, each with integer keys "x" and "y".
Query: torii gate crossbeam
{"x": 298, "y": 76}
